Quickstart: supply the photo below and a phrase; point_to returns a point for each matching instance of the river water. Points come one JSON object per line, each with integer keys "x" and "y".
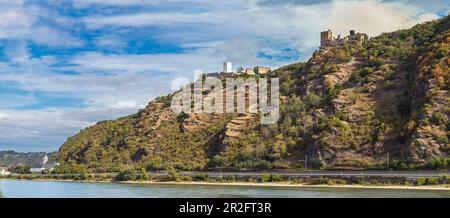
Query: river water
{"x": 59, "y": 189}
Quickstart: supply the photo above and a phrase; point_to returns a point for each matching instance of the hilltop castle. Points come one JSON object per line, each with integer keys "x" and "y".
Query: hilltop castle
{"x": 327, "y": 40}
{"x": 228, "y": 72}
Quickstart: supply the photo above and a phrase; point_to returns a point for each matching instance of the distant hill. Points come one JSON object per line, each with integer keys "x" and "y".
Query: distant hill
{"x": 33, "y": 159}
{"x": 350, "y": 106}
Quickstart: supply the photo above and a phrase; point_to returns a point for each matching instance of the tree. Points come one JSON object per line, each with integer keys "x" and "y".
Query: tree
{"x": 21, "y": 170}
{"x": 144, "y": 175}
{"x": 125, "y": 175}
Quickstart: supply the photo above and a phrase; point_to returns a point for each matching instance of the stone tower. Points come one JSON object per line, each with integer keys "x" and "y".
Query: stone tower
{"x": 352, "y": 32}
{"x": 326, "y": 38}
{"x": 227, "y": 67}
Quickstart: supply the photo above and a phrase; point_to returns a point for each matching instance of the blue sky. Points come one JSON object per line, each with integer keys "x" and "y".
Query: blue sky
{"x": 65, "y": 65}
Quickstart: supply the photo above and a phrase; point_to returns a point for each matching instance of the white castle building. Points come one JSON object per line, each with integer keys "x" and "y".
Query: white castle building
{"x": 227, "y": 67}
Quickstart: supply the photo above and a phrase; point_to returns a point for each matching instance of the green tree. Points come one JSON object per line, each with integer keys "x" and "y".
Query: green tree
{"x": 125, "y": 175}
{"x": 265, "y": 178}
{"x": 144, "y": 175}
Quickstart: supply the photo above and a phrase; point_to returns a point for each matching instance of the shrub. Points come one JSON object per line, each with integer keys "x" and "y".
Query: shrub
{"x": 201, "y": 177}
{"x": 429, "y": 181}
{"x": 375, "y": 62}
{"x": 365, "y": 71}
{"x": 230, "y": 178}
{"x": 143, "y": 175}
{"x": 321, "y": 124}
{"x": 358, "y": 75}
{"x": 403, "y": 165}
{"x": 277, "y": 178}
{"x": 421, "y": 181}
{"x": 432, "y": 181}
{"x": 439, "y": 163}
{"x": 341, "y": 115}
{"x": 343, "y": 56}
{"x": 21, "y": 170}
{"x": 173, "y": 174}
{"x": 388, "y": 84}
{"x": 265, "y": 178}
{"x": 333, "y": 91}
{"x": 438, "y": 118}
{"x": 125, "y": 175}
{"x": 312, "y": 100}
{"x": 329, "y": 68}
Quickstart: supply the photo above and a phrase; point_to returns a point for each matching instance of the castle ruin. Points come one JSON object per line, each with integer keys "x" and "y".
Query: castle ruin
{"x": 327, "y": 39}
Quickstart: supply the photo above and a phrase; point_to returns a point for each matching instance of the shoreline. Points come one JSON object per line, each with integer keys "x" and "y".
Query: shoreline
{"x": 251, "y": 184}
{"x": 289, "y": 185}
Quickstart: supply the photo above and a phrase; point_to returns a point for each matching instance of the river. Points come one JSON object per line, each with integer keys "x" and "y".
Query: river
{"x": 60, "y": 189}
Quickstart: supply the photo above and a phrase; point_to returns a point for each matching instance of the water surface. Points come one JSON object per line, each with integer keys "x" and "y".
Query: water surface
{"x": 60, "y": 189}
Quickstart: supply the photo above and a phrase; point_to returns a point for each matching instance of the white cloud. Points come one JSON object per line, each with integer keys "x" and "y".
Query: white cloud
{"x": 299, "y": 25}
{"x": 38, "y": 130}
{"x": 372, "y": 17}
{"x": 110, "y": 42}
{"x": 145, "y": 19}
{"x": 20, "y": 21}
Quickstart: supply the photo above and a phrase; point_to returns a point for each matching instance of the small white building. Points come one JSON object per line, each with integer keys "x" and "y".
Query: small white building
{"x": 4, "y": 171}
{"x": 227, "y": 67}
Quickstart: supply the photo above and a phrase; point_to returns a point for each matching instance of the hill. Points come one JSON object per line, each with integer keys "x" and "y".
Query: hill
{"x": 348, "y": 107}
{"x": 32, "y": 159}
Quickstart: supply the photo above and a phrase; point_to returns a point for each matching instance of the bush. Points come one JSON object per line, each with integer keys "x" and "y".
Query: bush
{"x": 265, "y": 178}
{"x": 143, "y": 175}
{"x": 358, "y": 75}
{"x": 277, "y": 178}
{"x": 438, "y": 118}
{"x": 341, "y": 115}
{"x": 432, "y": 181}
{"x": 201, "y": 177}
{"x": 333, "y": 91}
{"x": 21, "y": 170}
{"x": 388, "y": 84}
{"x": 428, "y": 181}
{"x": 230, "y": 178}
{"x": 321, "y": 124}
{"x": 403, "y": 165}
{"x": 173, "y": 174}
{"x": 421, "y": 181}
{"x": 312, "y": 100}
{"x": 125, "y": 175}
{"x": 329, "y": 68}
{"x": 438, "y": 163}
{"x": 376, "y": 62}
{"x": 343, "y": 56}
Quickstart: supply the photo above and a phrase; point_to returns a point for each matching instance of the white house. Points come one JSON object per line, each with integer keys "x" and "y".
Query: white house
{"x": 4, "y": 171}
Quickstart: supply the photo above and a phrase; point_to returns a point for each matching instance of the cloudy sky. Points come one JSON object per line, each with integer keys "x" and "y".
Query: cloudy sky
{"x": 66, "y": 64}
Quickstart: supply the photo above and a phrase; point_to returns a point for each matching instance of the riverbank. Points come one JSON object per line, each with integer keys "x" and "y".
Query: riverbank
{"x": 291, "y": 185}
{"x": 253, "y": 184}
